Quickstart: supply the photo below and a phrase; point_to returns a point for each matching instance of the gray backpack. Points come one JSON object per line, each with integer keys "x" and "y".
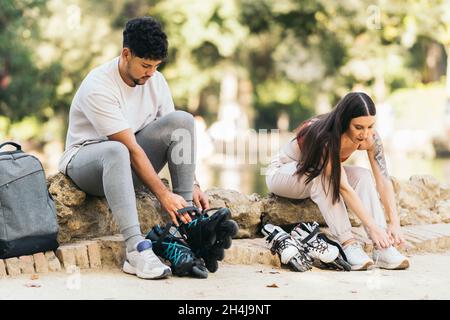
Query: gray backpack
{"x": 27, "y": 212}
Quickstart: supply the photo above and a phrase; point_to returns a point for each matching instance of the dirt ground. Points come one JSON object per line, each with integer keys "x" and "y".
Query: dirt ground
{"x": 427, "y": 278}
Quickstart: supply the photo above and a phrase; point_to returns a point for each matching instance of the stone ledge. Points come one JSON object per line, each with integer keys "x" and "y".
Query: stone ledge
{"x": 109, "y": 251}
{"x": 421, "y": 200}
{"x": 419, "y": 239}
{"x": 36, "y": 263}
{"x": 251, "y": 251}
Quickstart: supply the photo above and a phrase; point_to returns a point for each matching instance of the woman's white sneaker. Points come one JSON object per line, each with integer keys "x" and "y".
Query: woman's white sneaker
{"x": 144, "y": 263}
{"x": 390, "y": 259}
{"x": 358, "y": 259}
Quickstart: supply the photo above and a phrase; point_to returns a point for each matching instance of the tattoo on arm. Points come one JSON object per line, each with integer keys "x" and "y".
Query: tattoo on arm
{"x": 379, "y": 156}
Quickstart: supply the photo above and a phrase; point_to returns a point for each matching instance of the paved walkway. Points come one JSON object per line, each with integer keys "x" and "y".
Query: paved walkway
{"x": 427, "y": 278}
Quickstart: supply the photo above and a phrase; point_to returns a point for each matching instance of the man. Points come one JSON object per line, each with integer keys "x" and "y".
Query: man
{"x": 123, "y": 128}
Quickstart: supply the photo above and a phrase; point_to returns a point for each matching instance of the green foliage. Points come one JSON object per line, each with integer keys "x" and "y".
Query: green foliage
{"x": 291, "y": 52}
{"x": 24, "y": 87}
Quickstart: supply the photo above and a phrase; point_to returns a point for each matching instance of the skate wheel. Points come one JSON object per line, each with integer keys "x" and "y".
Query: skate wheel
{"x": 301, "y": 267}
{"x": 226, "y": 242}
{"x": 217, "y": 253}
{"x": 212, "y": 265}
{"x": 229, "y": 228}
{"x": 199, "y": 272}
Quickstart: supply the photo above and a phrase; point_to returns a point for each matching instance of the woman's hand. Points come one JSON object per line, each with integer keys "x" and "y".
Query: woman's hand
{"x": 395, "y": 233}
{"x": 379, "y": 237}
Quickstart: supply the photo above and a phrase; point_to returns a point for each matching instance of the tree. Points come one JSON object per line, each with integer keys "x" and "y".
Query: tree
{"x": 25, "y": 88}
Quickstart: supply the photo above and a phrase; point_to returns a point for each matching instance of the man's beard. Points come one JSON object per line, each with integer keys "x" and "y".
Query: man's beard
{"x": 140, "y": 81}
{"x": 137, "y": 82}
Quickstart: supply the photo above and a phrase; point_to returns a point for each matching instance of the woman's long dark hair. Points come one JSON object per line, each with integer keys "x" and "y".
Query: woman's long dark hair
{"x": 321, "y": 140}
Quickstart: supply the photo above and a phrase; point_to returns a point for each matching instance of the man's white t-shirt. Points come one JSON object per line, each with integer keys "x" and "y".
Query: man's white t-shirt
{"x": 104, "y": 104}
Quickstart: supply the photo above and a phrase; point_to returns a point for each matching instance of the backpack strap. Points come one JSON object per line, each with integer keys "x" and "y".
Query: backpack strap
{"x": 18, "y": 147}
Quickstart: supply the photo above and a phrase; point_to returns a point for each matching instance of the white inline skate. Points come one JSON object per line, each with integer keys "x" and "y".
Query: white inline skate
{"x": 327, "y": 254}
{"x": 287, "y": 248}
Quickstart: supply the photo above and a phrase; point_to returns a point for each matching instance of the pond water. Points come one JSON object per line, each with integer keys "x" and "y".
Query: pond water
{"x": 247, "y": 175}
{"x": 250, "y": 178}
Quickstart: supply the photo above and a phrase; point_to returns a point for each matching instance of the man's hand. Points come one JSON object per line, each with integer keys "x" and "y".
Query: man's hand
{"x": 395, "y": 233}
{"x": 172, "y": 202}
{"x": 200, "y": 198}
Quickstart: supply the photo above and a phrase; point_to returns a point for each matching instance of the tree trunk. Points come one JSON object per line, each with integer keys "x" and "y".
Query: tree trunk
{"x": 447, "y": 91}
{"x": 447, "y": 87}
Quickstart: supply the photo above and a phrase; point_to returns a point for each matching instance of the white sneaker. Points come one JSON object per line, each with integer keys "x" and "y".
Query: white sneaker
{"x": 144, "y": 263}
{"x": 357, "y": 258}
{"x": 390, "y": 258}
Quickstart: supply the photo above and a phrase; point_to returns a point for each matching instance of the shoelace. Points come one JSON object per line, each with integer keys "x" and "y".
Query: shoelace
{"x": 318, "y": 245}
{"x": 174, "y": 251}
{"x": 281, "y": 243}
{"x": 193, "y": 223}
{"x": 200, "y": 215}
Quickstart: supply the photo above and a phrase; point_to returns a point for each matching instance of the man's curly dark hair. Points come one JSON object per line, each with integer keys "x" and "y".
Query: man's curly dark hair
{"x": 145, "y": 38}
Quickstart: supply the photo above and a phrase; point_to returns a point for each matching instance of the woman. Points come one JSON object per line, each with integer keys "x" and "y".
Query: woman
{"x": 311, "y": 166}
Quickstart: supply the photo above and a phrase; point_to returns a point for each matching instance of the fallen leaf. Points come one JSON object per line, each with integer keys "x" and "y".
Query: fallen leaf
{"x": 34, "y": 277}
{"x": 273, "y": 285}
{"x": 33, "y": 285}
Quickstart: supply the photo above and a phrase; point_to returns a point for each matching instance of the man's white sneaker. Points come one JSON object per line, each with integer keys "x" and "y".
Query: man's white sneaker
{"x": 390, "y": 258}
{"x": 144, "y": 263}
{"x": 357, "y": 258}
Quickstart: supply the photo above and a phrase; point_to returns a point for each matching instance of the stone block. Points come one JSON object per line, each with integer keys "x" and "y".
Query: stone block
{"x": 53, "y": 262}
{"x": 81, "y": 256}
{"x": 40, "y": 263}
{"x": 2, "y": 269}
{"x": 13, "y": 266}
{"x": 66, "y": 255}
{"x": 26, "y": 264}
{"x": 95, "y": 260}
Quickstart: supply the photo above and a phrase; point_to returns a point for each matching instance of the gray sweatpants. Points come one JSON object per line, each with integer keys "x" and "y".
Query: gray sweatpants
{"x": 104, "y": 168}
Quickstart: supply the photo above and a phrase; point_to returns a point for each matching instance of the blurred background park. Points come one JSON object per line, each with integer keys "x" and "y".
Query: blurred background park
{"x": 241, "y": 67}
